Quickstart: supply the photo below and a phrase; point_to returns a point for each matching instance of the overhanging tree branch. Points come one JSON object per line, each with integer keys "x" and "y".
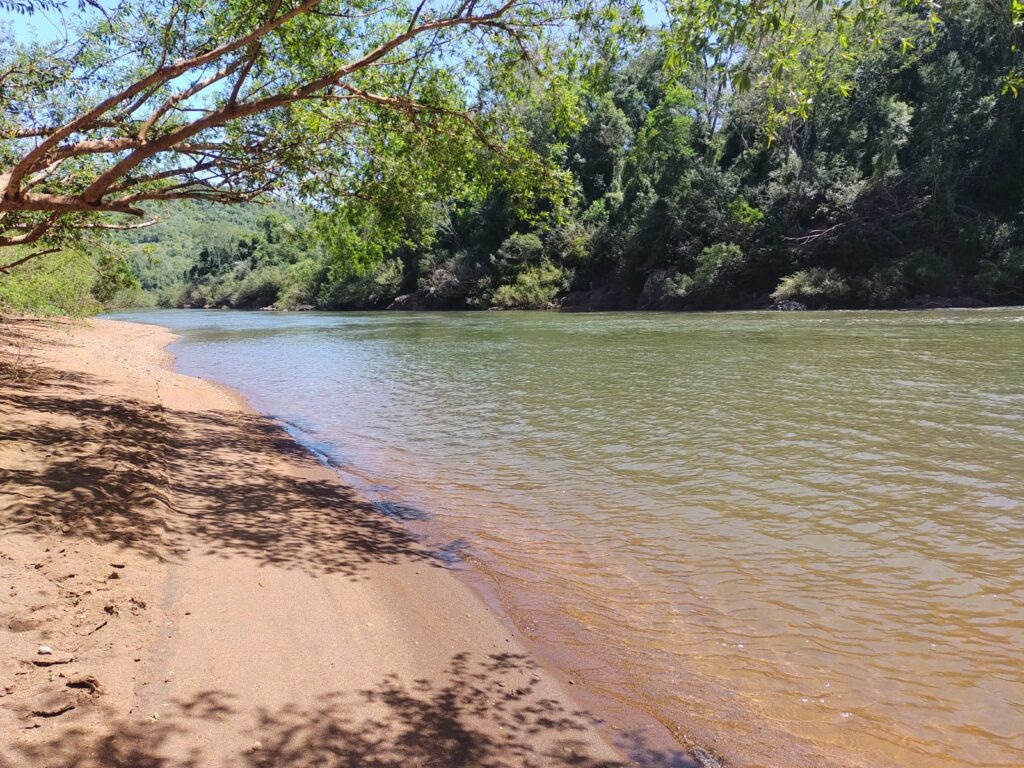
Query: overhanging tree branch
{"x": 161, "y": 76}
{"x": 89, "y": 164}
{"x": 25, "y": 259}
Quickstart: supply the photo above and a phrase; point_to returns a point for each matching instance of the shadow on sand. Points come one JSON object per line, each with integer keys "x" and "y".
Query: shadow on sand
{"x": 478, "y": 718}
{"x": 111, "y": 469}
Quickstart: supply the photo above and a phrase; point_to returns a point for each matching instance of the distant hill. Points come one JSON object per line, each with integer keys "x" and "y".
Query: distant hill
{"x": 161, "y": 255}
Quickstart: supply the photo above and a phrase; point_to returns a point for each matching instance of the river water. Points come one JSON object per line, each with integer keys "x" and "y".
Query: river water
{"x": 795, "y": 537}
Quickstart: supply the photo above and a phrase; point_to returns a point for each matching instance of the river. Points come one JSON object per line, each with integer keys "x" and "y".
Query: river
{"x": 797, "y": 538}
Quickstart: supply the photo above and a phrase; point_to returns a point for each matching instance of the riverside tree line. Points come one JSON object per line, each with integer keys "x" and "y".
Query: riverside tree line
{"x": 701, "y": 154}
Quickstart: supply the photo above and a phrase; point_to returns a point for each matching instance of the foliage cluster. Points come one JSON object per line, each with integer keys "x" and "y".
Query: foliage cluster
{"x": 69, "y": 283}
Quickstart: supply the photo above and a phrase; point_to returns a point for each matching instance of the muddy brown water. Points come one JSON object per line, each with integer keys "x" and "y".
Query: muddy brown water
{"x": 797, "y": 538}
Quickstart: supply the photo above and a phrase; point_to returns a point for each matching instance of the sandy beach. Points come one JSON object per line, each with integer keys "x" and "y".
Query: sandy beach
{"x": 182, "y": 585}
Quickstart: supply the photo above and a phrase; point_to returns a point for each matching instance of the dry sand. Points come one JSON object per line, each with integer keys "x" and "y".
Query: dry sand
{"x": 215, "y": 597}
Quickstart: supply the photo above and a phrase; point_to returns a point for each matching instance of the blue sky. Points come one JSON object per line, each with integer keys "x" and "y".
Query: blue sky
{"x": 46, "y": 26}
{"x": 41, "y": 25}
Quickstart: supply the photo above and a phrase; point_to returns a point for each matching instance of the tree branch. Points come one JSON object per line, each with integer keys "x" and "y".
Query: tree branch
{"x": 33, "y": 234}
{"x": 159, "y": 77}
{"x": 218, "y": 172}
{"x": 118, "y": 227}
{"x": 8, "y": 267}
{"x": 232, "y": 112}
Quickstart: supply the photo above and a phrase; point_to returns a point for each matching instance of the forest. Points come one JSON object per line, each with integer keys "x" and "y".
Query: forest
{"x": 643, "y": 172}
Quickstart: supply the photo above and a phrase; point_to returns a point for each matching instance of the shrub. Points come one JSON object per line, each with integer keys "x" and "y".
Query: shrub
{"x": 301, "y": 284}
{"x": 880, "y": 288}
{"x": 746, "y": 216}
{"x": 521, "y": 247}
{"x": 113, "y": 278}
{"x": 258, "y": 288}
{"x": 218, "y": 293}
{"x": 812, "y": 284}
{"x": 376, "y": 287}
{"x": 678, "y": 285}
{"x": 717, "y": 267}
{"x": 175, "y": 296}
{"x": 534, "y": 288}
{"x": 1002, "y": 279}
{"x": 926, "y": 271}
{"x": 570, "y": 243}
{"x": 456, "y": 278}
{"x": 59, "y": 284}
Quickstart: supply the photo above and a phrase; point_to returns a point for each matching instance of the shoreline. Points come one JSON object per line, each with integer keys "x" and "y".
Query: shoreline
{"x": 617, "y": 720}
{"x": 613, "y": 718}
{"x": 257, "y": 616}
{"x": 572, "y": 310}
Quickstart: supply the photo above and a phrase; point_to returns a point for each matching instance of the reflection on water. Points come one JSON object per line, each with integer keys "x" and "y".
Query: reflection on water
{"x": 799, "y": 537}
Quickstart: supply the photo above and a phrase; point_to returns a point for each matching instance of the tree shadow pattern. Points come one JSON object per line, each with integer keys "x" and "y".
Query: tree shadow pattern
{"x": 161, "y": 481}
{"x": 480, "y": 716}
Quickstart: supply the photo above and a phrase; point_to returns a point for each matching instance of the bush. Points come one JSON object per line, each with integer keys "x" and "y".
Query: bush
{"x": 113, "y": 278}
{"x": 1002, "y": 279}
{"x": 259, "y": 288}
{"x": 534, "y": 288}
{"x": 678, "y": 285}
{"x": 375, "y": 288}
{"x": 58, "y": 284}
{"x": 570, "y": 243}
{"x": 717, "y": 267}
{"x": 68, "y": 283}
{"x": 520, "y": 248}
{"x": 815, "y": 285}
{"x": 219, "y": 293}
{"x": 174, "y": 297}
{"x": 455, "y": 280}
{"x": 515, "y": 254}
{"x": 746, "y": 216}
{"x": 926, "y": 271}
{"x": 880, "y": 288}
{"x": 301, "y": 285}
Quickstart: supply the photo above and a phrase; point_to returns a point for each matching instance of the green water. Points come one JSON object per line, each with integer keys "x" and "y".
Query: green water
{"x": 798, "y": 538}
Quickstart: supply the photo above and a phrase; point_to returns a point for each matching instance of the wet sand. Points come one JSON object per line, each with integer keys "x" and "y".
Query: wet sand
{"x": 213, "y": 596}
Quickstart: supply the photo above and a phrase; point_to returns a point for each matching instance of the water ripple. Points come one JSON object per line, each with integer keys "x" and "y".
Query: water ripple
{"x": 798, "y": 537}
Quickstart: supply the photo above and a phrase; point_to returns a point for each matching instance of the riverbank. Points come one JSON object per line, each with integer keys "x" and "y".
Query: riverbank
{"x": 185, "y": 585}
{"x": 612, "y": 299}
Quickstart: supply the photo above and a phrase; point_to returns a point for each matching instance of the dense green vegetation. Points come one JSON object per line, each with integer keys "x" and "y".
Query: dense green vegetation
{"x": 202, "y": 253}
{"x": 908, "y": 182}
{"x": 834, "y": 165}
{"x": 69, "y": 282}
